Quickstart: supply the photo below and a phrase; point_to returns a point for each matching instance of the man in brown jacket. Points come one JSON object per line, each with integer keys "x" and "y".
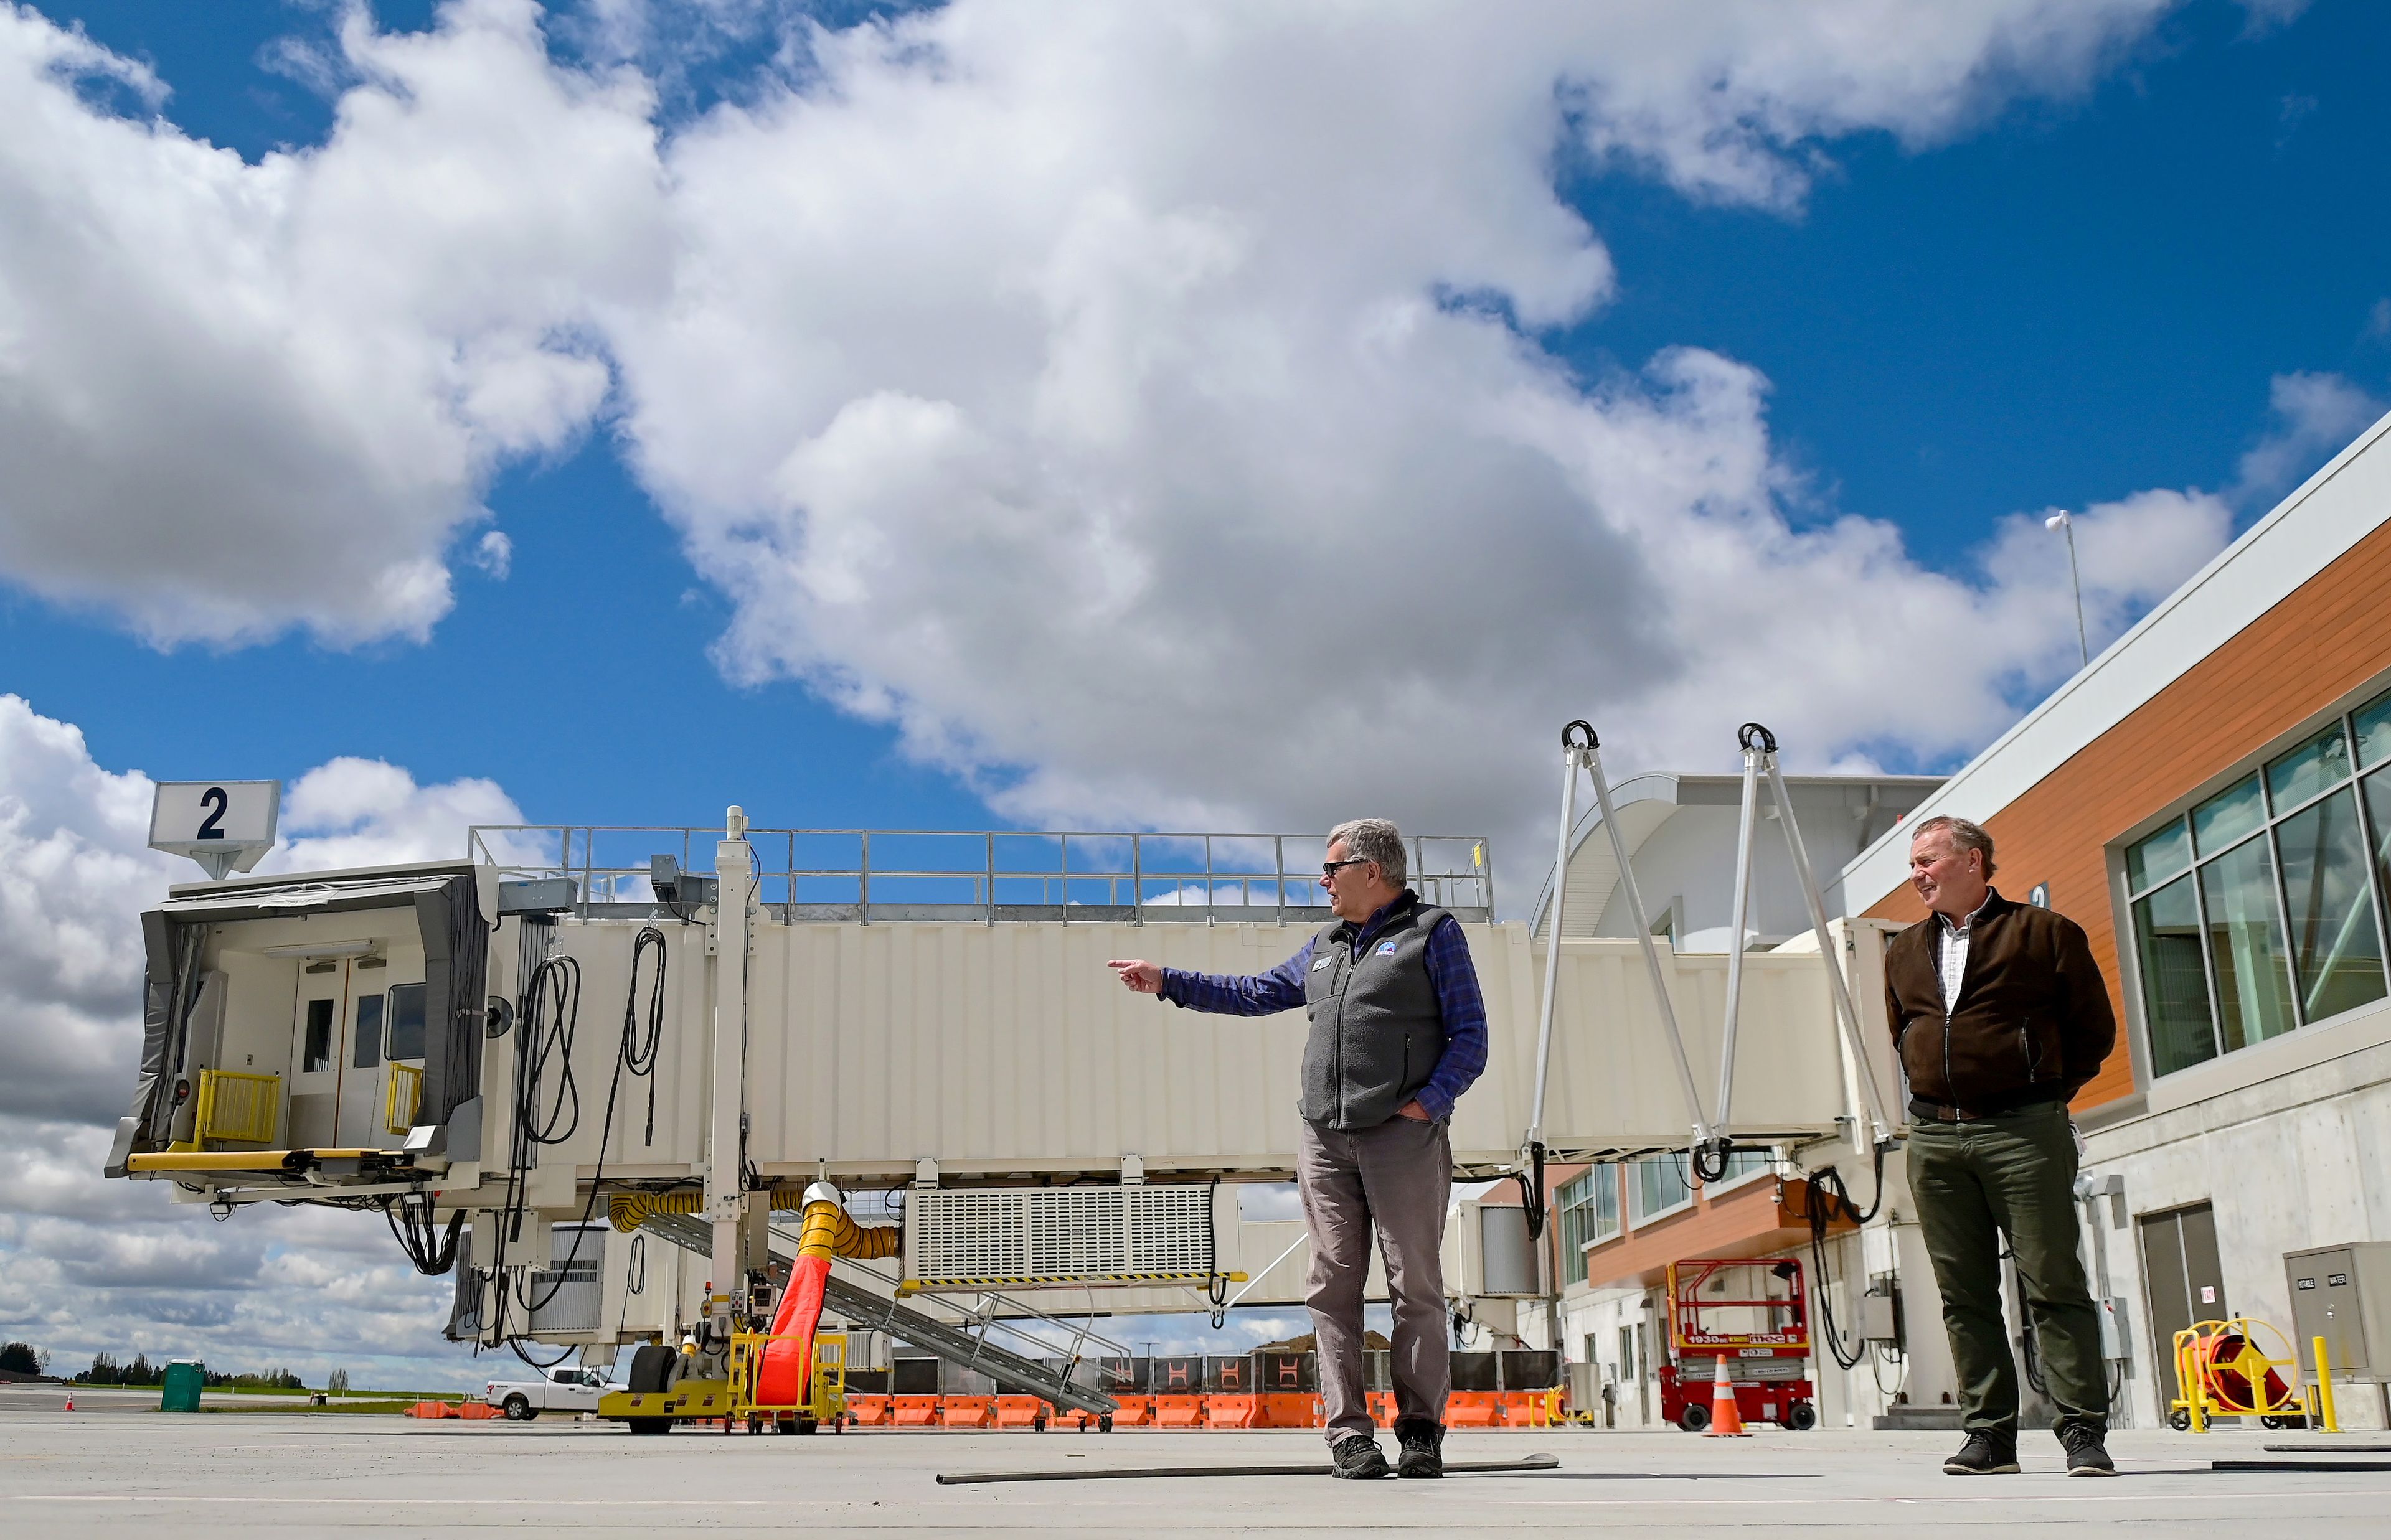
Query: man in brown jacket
{"x": 2001, "y": 1015}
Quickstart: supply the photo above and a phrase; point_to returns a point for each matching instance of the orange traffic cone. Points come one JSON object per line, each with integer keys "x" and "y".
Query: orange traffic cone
{"x": 71, "y": 1401}
{"x": 1727, "y": 1419}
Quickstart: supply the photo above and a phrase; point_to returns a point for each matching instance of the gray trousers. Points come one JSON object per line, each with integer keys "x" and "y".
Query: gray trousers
{"x": 1392, "y": 1181}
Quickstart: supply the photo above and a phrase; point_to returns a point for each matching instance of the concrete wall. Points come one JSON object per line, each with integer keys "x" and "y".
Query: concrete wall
{"x": 2289, "y": 1152}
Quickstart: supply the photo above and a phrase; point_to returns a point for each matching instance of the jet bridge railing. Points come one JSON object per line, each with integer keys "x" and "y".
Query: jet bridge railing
{"x": 1064, "y": 875}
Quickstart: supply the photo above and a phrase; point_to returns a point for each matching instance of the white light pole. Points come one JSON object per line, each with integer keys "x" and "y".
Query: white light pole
{"x": 2064, "y": 522}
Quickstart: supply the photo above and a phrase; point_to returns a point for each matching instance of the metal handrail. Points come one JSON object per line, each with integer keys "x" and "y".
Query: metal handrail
{"x": 1462, "y": 876}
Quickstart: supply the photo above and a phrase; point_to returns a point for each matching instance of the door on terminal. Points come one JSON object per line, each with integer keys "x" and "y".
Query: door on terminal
{"x": 2181, "y": 1271}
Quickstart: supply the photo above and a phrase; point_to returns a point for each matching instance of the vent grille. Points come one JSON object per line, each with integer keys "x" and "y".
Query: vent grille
{"x": 1027, "y": 1237}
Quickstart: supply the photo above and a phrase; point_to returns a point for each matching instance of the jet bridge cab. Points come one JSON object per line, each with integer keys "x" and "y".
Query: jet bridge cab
{"x": 316, "y": 1031}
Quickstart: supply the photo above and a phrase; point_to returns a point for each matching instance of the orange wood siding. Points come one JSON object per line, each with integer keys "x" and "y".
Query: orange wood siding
{"x": 2326, "y": 639}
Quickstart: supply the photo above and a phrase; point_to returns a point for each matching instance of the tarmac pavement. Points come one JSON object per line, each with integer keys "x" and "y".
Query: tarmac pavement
{"x": 72, "y": 1474}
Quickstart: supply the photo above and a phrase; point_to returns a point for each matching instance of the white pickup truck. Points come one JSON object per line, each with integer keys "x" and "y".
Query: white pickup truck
{"x": 565, "y": 1390}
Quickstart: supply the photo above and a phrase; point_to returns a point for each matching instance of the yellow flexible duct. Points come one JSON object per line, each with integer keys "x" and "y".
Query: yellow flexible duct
{"x": 828, "y": 1232}
{"x": 847, "y": 1238}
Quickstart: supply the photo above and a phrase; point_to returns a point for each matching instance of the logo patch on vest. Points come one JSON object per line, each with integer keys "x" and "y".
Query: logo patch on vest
{"x": 1323, "y": 962}
{"x": 1385, "y": 949}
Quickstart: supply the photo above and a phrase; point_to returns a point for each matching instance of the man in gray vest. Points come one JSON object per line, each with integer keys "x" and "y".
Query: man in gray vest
{"x": 1398, "y": 1032}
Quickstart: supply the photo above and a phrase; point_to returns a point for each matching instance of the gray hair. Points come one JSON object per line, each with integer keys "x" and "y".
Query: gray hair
{"x": 1963, "y": 835}
{"x": 1373, "y": 839}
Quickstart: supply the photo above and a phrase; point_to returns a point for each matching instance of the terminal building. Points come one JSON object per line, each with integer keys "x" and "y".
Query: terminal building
{"x": 2211, "y": 799}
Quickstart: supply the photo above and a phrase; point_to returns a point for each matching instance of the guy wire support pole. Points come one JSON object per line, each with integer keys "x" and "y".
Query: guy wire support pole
{"x": 1573, "y": 757}
{"x": 1846, "y": 1017}
{"x": 1701, "y": 1124}
{"x": 1531, "y": 1149}
{"x": 1751, "y": 737}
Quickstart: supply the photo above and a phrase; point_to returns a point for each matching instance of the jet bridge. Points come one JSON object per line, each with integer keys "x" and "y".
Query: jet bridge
{"x": 713, "y": 1020}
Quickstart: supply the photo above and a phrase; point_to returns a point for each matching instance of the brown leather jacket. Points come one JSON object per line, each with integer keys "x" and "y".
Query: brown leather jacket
{"x": 2031, "y": 1021}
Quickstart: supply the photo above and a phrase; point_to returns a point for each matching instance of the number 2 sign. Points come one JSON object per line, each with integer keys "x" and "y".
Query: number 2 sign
{"x": 226, "y": 827}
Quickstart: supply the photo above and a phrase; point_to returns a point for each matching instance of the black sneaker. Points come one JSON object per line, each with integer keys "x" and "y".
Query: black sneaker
{"x": 1423, "y": 1448}
{"x": 2087, "y": 1450}
{"x": 1984, "y": 1453}
{"x": 1358, "y": 1459}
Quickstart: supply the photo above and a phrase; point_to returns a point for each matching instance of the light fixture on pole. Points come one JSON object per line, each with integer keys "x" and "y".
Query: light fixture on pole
{"x": 2065, "y": 522}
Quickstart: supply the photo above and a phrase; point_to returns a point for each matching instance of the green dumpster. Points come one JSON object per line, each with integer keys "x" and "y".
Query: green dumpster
{"x": 185, "y": 1377}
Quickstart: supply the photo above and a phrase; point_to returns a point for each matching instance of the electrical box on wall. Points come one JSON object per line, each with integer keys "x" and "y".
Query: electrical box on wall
{"x": 2343, "y": 1295}
{"x": 1881, "y": 1313}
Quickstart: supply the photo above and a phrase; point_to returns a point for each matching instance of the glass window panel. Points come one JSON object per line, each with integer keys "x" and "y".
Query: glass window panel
{"x": 2174, "y": 984}
{"x": 2246, "y": 946}
{"x": 2373, "y": 723}
{"x": 367, "y": 1051}
{"x": 2160, "y": 856}
{"x": 2378, "y": 818}
{"x": 318, "y": 1049}
{"x": 1660, "y": 1185}
{"x": 2321, "y": 762}
{"x": 2334, "y": 946}
{"x": 406, "y": 1021}
{"x": 2226, "y": 816}
{"x": 1589, "y": 1205}
{"x": 1741, "y": 1163}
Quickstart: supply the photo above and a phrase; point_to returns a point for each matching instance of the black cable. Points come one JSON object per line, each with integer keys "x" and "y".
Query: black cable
{"x": 555, "y": 989}
{"x": 411, "y": 1223}
{"x": 1826, "y": 1194}
{"x": 637, "y": 1056}
{"x": 1703, "y": 1168}
{"x": 1216, "y": 1288}
{"x": 1532, "y": 1192}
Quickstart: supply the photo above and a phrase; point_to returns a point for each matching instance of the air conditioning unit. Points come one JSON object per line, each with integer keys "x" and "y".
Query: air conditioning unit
{"x": 963, "y": 1239}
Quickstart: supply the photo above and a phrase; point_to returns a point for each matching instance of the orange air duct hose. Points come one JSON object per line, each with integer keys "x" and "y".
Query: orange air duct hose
{"x": 785, "y": 1377}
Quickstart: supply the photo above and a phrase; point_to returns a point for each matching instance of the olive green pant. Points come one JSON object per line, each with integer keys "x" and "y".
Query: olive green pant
{"x": 2013, "y": 1173}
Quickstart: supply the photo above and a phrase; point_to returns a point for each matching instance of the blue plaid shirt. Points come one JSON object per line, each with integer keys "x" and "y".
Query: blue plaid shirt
{"x": 1450, "y": 973}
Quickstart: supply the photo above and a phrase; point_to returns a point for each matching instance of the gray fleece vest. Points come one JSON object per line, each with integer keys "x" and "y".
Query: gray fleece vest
{"x": 1377, "y": 1032}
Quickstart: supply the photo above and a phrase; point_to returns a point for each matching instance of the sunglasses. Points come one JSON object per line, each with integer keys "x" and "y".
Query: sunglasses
{"x": 1328, "y": 868}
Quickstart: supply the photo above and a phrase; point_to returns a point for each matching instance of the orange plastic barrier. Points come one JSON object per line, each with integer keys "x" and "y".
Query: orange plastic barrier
{"x": 1136, "y": 1411}
{"x": 1474, "y": 1409}
{"x": 1021, "y": 1411}
{"x": 967, "y": 1411}
{"x": 1525, "y": 1409}
{"x": 1382, "y": 1406}
{"x": 916, "y": 1411}
{"x": 869, "y": 1411}
{"x": 1290, "y": 1410}
{"x": 1179, "y": 1411}
{"x": 1232, "y": 1411}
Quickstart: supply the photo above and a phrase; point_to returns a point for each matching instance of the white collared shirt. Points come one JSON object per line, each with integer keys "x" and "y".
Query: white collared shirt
{"x": 1952, "y": 962}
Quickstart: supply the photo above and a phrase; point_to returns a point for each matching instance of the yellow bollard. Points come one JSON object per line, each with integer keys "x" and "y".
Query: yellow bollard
{"x": 2324, "y": 1386}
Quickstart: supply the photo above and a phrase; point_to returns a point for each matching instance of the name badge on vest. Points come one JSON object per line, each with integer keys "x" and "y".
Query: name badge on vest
{"x": 1385, "y": 949}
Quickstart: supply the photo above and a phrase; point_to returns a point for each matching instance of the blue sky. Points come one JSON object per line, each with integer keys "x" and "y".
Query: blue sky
{"x": 2083, "y": 297}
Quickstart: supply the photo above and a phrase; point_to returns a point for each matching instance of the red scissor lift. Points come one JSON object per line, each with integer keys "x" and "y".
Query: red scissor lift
{"x": 1755, "y": 1313}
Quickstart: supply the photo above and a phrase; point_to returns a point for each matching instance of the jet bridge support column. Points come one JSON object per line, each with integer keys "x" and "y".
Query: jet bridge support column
{"x": 738, "y": 1232}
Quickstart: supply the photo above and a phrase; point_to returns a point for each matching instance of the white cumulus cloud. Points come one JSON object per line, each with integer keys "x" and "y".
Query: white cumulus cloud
{"x": 240, "y": 398}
